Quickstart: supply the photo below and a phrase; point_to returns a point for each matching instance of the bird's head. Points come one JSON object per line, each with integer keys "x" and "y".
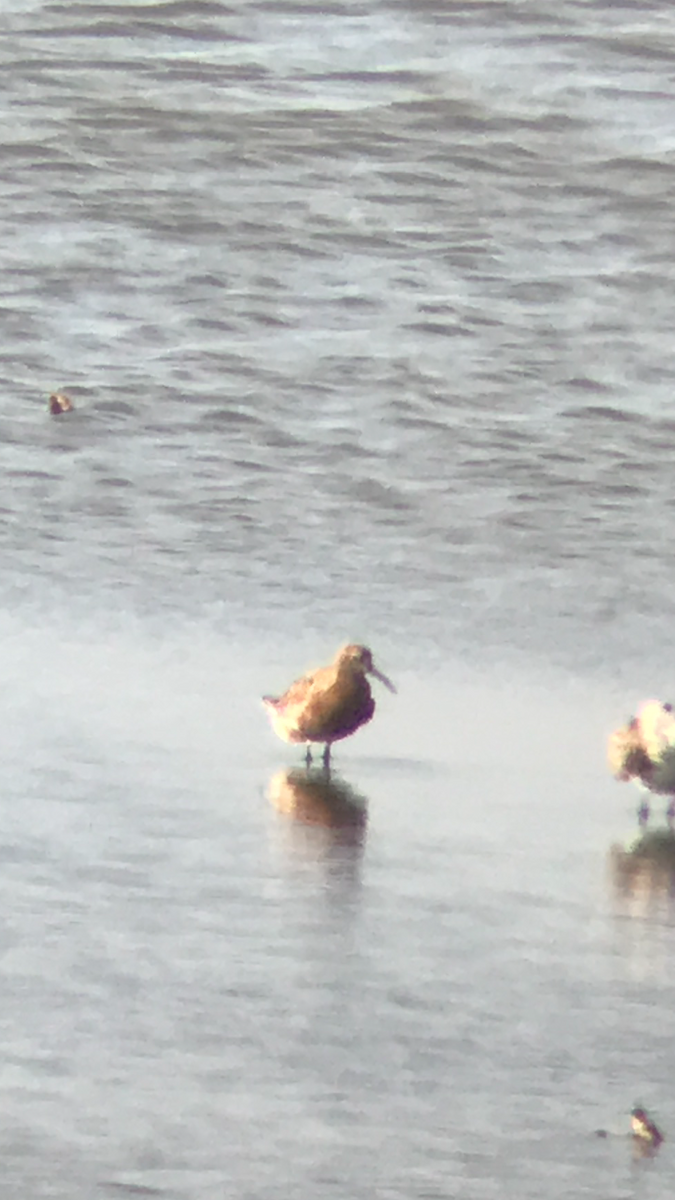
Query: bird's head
{"x": 360, "y": 659}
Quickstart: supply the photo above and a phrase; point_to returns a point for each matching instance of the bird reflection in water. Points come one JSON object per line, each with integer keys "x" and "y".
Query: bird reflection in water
{"x": 644, "y": 874}
{"x": 315, "y": 798}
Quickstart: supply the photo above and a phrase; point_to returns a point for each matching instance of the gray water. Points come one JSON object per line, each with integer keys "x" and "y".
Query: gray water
{"x": 366, "y": 311}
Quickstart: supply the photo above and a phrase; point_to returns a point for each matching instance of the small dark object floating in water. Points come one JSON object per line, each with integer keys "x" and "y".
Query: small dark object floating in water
{"x": 60, "y": 403}
{"x": 329, "y": 704}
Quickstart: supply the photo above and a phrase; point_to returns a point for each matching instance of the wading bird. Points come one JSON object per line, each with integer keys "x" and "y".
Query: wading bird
{"x": 644, "y": 1128}
{"x": 329, "y": 704}
{"x": 643, "y": 750}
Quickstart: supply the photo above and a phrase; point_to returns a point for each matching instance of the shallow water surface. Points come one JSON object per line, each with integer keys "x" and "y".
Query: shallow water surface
{"x": 214, "y": 981}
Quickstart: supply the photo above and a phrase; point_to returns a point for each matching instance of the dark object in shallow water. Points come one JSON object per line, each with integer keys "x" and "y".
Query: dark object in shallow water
{"x": 329, "y": 704}
{"x": 644, "y": 1128}
{"x": 60, "y": 403}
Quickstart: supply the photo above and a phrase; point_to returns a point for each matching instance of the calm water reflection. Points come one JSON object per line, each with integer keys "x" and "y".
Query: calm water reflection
{"x": 643, "y": 874}
{"x": 317, "y": 797}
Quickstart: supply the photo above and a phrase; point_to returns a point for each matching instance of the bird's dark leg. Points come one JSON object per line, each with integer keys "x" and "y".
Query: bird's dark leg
{"x": 326, "y": 757}
{"x": 670, "y": 811}
{"x": 308, "y": 757}
{"x": 643, "y": 812}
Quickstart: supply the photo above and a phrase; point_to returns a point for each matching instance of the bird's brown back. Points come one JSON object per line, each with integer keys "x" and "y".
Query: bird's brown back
{"x": 330, "y": 703}
{"x": 626, "y": 755}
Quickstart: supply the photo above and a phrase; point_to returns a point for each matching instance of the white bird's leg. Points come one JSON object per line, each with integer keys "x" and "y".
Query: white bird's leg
{"x": 326, "y": 757}
{"x": 670, "y": 811}
{"x": 308, "y": 757}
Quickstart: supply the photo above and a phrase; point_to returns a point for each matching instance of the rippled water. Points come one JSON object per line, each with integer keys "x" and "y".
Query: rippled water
{"x": 366, "y": 313}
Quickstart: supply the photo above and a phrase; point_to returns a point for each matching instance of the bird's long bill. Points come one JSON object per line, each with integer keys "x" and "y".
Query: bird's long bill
{"x": 383, "y": 679}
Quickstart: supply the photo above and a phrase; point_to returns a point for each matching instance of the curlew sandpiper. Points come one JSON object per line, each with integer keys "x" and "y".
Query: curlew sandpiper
{"x": 329, "y": 704}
